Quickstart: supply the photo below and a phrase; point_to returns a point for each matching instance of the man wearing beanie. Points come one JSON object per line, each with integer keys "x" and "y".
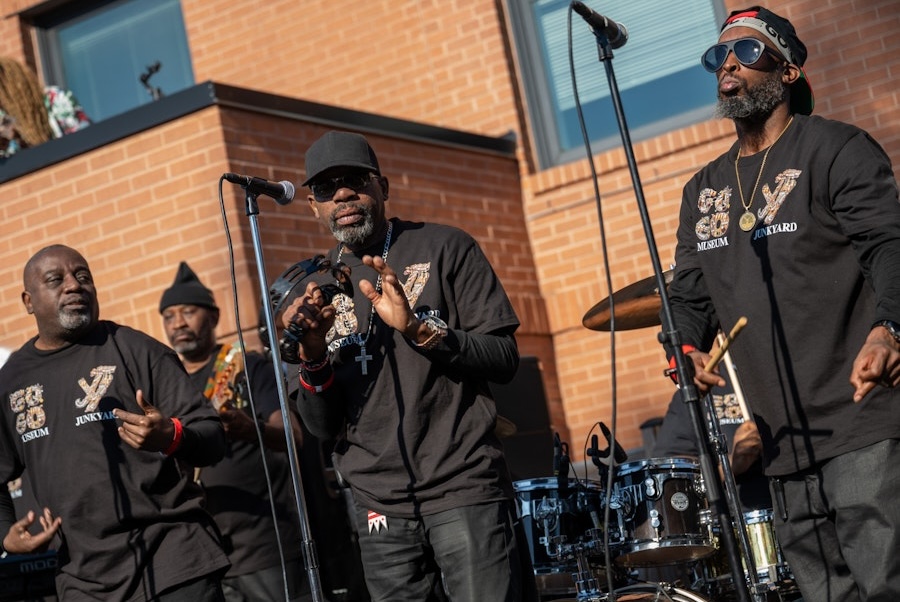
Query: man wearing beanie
{"x": 797, "y": 228}
{"x": 105, "y": 422}
{"x": 236, "y": 489}
{"x": 398, "y": 369}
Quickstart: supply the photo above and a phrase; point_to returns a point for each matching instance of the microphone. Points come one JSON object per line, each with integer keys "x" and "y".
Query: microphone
{"x": 557, "y": 444}
{"x": 595, "y": 454}
{"x": 618, "y": 453}
{"x": 562, "y": 475}
{"x": 282, "y": 192}
{"x": 615, "y": 32}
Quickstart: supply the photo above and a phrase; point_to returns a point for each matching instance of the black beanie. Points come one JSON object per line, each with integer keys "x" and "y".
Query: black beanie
{"x": 186, "y": 290}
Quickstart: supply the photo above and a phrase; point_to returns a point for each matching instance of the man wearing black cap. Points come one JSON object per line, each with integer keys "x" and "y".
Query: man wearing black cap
{"x": 105, "y": 421}
{"x": 399, "y": 371}
{"x": 236, "y": 488}
{"x": 797, "y": 228}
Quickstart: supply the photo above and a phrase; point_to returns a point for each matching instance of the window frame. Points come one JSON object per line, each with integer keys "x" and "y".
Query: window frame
{"x": 536, "y": 85}
{"x": 46, "y": 17}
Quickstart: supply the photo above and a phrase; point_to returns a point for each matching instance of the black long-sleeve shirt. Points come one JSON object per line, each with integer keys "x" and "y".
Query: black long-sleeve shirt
{"x": 820, "y": 266}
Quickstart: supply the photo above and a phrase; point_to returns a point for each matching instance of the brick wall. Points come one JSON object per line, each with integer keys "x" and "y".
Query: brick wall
{"x": 447, "y": 63}
{"x": 439, "y": 61}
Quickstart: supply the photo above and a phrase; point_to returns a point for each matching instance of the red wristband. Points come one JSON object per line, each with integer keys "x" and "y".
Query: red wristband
{"x": 685, "y": 349}
{"x": 317, "y": 388}
{"x": 176, "y": 439}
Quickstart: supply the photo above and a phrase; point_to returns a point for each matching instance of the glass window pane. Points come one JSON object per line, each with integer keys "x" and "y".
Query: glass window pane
{"x": 103, "y": 54}
{"x": 658, "y": 71}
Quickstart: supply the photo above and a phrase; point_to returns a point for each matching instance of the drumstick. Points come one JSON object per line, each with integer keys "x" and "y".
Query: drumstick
{"x": 723, "y": 347}
{"x": 736, "y": 384}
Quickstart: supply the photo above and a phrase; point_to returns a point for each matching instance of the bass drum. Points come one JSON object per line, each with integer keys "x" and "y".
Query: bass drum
{"x": 647, "y": 592}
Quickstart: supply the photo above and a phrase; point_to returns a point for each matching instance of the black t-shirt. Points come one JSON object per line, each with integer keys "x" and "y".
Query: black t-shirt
{"x": 419, "y": 427}
{"x": 236, "y": 491}
{"x": 819, "y": 267}
{"x": 132, "y": 520}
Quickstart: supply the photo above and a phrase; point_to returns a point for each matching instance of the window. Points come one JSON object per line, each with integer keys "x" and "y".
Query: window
{"x": 100, "y": 51}
{"x": 658, "y": 72}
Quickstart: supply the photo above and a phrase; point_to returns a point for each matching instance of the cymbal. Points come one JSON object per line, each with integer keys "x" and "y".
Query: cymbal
{"x": 505, "y": 427}
{"x": 637, "y": 306}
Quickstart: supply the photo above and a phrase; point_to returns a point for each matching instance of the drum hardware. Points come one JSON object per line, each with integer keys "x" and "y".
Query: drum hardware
{"x": 586, "y": 586}
{"x": 555, "y": 517}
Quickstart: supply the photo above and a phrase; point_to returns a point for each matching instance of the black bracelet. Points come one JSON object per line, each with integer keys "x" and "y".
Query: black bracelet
{"x": 315, "y": 366}
{"x": 322, "y": 373}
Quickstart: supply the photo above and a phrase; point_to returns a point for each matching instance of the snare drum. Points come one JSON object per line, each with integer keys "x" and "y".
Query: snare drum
{"x": 551, "y": 516}
{"x": 658, "y": 503}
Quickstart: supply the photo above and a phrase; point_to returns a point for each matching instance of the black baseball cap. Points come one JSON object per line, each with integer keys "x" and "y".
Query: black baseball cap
{"x": 339, "y": 149}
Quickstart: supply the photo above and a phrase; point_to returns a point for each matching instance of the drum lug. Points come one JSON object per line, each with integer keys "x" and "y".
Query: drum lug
{"x": 651, "y": 488}
{"x": 700, "y": 486}
{"x": 546, "y": 510}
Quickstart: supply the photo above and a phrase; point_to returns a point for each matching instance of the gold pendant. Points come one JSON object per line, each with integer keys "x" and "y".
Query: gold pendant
{"x": 747, "y": 221}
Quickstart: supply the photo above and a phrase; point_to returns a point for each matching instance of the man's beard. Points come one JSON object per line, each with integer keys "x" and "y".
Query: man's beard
{"x": 355, "y": 235}
{"x": 757, "y": 104}
{"x": 77, "y": 321}
{"x": 186, "y": 347}
{"x": 198, "y": 346}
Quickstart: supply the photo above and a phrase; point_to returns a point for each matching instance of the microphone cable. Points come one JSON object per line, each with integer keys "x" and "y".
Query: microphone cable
{"x": 607, "y": 493}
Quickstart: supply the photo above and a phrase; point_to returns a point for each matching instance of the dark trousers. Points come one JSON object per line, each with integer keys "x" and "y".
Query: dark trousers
{"x": 203, "y": 589}
{"x": 842, "y": 534}
{"x": 267, "y": 585}
{"x": 467, "y": 554}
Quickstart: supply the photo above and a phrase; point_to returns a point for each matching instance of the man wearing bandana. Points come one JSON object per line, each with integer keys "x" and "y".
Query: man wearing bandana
{"x": 797, "y": 228}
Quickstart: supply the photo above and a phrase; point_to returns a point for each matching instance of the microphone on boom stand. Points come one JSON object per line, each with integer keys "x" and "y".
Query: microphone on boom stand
{"x": 561, "y": 464}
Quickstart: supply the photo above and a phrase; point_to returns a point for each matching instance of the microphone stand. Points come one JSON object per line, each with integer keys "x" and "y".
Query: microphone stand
{"x": 672, "y": 338}
{"x": 720, "y": 445}
{"x": 310, "y": 557}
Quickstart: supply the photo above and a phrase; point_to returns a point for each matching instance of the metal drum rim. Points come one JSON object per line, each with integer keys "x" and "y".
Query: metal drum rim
{"x": 579, "y": 483}
{"x": 662, "y": 463}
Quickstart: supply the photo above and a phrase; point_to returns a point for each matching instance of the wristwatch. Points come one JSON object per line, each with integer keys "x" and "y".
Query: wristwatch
{"x": 892, "y": 327}
{"x": 438, "y": 330}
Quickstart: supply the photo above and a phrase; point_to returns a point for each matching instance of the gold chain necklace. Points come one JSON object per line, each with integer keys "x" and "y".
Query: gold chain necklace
{"x": 748, "y": 220}
{"x": 363, "y": 357}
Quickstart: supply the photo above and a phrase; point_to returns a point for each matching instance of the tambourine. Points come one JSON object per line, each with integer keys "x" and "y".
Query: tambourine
{"x": 283, "y": 288}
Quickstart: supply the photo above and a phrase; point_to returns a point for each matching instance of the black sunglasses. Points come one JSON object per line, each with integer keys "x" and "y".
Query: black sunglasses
{"x": 746, "y": 50}
{"x": 325, "y": 189}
